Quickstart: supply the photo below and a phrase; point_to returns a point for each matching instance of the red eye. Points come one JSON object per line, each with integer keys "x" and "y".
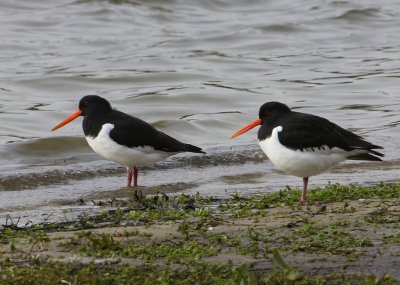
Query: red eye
{"x": 85, "y": 103}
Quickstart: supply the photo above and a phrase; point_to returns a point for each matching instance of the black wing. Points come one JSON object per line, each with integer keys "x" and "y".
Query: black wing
{"x": 133, "y": 132}
{"x": 309, "y": 131}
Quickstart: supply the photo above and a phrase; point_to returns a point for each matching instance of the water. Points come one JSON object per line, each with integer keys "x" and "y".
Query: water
{"x": 197, "y": 70}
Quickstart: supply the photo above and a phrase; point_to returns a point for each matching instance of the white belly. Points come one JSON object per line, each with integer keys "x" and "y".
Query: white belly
{"x": 302, "y": 163}
{"x": 138, "y": 156}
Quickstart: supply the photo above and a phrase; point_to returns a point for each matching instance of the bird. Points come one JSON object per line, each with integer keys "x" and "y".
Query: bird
{"x": 122, "y": 138}
{"x": 305, "y": 145}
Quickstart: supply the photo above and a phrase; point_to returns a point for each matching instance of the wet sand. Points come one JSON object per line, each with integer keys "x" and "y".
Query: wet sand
{"x": 358, "y": 236}
{"x": 35, "y": 194}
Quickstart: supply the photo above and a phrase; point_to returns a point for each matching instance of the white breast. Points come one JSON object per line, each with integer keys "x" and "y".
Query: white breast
{"x": 138, "y": 156}
{"x": 305, "y": 163}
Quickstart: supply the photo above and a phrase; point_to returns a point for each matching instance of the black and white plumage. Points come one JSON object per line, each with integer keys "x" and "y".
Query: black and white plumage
{"x": 304, "y": 145}
{"x": 122, "y": 138}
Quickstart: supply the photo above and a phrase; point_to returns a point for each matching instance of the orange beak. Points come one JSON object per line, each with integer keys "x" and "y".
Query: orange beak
{"x": 73, "y": 116}
{"x": 247, "y": 128}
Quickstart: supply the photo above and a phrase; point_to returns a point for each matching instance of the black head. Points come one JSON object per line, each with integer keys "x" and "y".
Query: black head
{"x": 271, "y": 111}
{"x": 93, "y": 104}
{"x": 89, "y": 105}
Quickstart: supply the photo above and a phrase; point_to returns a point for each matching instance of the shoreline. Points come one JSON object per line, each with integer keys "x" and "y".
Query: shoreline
{"x": 345, "y": 234}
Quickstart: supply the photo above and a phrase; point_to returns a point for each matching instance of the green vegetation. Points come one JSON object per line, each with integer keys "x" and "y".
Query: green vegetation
{"x": 331, "y": 193}
{"x": 393, "y": 238}
{"x": 202, "y": 240}
{"x": 106, "y": 245}
{"x": 43, "y": 273}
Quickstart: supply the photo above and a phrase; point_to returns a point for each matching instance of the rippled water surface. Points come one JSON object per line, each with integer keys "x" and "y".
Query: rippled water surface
{"x": 197, "y": 70}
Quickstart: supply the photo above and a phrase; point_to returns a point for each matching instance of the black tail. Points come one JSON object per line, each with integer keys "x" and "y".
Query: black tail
{"x": 374, "y": 152}
{"x": 366, "y": 156}
{"x": 372, "y": 155}
{"x": 192, "y": 148}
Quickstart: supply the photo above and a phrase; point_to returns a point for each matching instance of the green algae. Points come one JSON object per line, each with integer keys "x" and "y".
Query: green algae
{"x": 206, "y": 235}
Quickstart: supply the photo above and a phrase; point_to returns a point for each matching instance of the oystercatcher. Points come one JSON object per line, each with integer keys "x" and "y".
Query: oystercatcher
{"x": 304, "y": 145}
{"x": 122, "y": 138}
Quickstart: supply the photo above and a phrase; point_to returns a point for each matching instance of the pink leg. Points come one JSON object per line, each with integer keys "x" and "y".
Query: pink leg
{"x": 135, "y": 176}
{"x": 129, "y": 176}
{"x": 304, "y": 194}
